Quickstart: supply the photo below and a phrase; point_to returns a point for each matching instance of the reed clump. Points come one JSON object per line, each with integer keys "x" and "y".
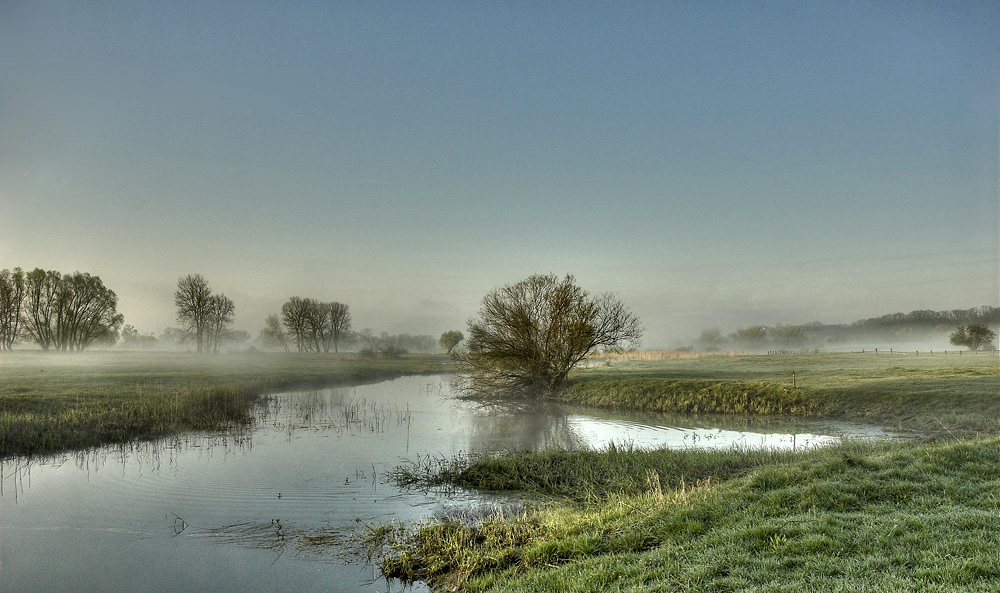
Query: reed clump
{"x": 694, "y": 396}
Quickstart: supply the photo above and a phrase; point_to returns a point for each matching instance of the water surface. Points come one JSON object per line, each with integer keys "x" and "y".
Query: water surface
{"x": 230, "y": 513}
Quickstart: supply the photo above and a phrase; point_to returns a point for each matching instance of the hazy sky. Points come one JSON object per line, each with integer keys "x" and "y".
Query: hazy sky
{"x": 712, "y": 163}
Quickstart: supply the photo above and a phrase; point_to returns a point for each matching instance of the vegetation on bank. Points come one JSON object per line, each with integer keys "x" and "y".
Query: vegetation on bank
{"x": 853, "y": 517}
{"x": 77, "y": 400}
{"x": 916, "y": 515}
{"x": 927, "y": 395}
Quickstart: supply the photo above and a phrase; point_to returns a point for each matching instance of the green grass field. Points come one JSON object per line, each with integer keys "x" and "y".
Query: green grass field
{"x": 59, "y": 401}
{"x": 852, "y": 517}
{"x": 951, "y": 395}
{"x": 917, "y": 515}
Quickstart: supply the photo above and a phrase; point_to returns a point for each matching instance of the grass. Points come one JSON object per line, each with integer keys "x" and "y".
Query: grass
{"x": 851, "y": 517}
{"x": 52, "y": 402}
{"x": 938, "y": 394}
{"x": 918, "y": 515}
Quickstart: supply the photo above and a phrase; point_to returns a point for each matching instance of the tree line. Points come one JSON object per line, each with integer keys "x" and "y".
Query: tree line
{"x": 894, "y": 327}
{"x": 315, "y": 326}
{"x": 56, "y": 311}
{"x": 73, "y": 311}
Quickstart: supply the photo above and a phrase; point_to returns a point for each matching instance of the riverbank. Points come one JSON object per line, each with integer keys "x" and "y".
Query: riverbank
{"x": 852, "y": 517}
{"x": 52, "y": 402}
{"x": 924, "y": 395}
{"x": 915, "y": 515}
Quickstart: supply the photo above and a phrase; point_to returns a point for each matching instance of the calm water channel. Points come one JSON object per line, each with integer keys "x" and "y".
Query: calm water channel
{"x": 230, "y": 513}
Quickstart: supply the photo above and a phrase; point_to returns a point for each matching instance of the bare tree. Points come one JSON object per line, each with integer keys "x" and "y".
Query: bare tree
{"x": 69, "y": 312}
{"x": 193, "y": 298}
{"x": 295, "y": 314}
{"x": 316, "y": 323}
{"x": 316, "y": 326}
{"x": 274, "y": 332}
{"x": 220, "y": 319}
{"x": 41, "y": 308}
{"x": 339, "y": 318}
{"x": 87, "y": 312}
{"x": 530, "y": 335}
{"x": 12, "y": 292}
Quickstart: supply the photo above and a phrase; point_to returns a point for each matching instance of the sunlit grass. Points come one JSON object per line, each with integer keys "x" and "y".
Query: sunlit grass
{"x": 858, "y": 517}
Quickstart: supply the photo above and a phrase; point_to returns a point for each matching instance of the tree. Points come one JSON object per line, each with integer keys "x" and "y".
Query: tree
{"x": 295, "y": 314}
{"x": 339, "y": 317}
{"x": 750, "y": 337}
{"x": 975, "y": 336}
{"x": 87, "y": 312}
{"x": 450, "y": 339}
{"x": 12, "y": 292}
{"x": 193, "y": 298}
{"x": 273, "y": 333}
{"x": 529, "y": 335}
{"x": 221, "y": 310}
{"x": 316, "y": 326}
{"x": 41, "y": 306}
{"x": 711, "y": 340}
{"x": 69, "y": 312}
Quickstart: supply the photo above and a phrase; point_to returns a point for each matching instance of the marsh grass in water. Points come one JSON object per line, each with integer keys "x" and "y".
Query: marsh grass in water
{"x": 694, "y": 396}
{"x": 859, "y": 517}
{"x": 584, "y": 475}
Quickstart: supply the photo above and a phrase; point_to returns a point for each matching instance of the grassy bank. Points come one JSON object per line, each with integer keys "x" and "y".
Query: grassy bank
{"x": 852, "y": 517}
{"x": 935, "y": 395}
{"x": 920, "y": 515}
{"x": 59, "y": 401}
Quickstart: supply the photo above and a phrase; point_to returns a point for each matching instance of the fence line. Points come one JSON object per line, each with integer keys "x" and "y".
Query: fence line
{"x": 926, "y": 352}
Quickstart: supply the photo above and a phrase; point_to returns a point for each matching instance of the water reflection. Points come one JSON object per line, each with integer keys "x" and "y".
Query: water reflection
{"x": 239, "y": 511}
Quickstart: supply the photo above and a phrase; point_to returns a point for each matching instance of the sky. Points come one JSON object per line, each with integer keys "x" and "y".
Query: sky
{"x": 713, "y": 164}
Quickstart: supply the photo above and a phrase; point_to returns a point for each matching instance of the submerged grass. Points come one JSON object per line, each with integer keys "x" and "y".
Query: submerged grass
{"x": 52, "y": 402}
{"x": 851, "y": 517}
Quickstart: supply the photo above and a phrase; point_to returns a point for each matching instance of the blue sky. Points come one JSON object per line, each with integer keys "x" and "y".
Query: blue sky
{"x": 715, "y": 164}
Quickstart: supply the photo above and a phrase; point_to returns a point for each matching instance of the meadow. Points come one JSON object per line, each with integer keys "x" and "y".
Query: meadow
{"x": 920, "y": 514}
{"x": 53, "y": 402}
{"x": 923, "y": 394}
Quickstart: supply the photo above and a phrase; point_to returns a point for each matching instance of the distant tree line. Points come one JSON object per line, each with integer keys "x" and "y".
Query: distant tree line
{"x": 56, "y": 311}
{"x": 895, "y": 327}
{"x": 313, "y": 326}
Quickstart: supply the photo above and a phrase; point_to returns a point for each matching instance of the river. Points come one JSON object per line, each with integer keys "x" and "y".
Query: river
{"x": 232, "y": 512}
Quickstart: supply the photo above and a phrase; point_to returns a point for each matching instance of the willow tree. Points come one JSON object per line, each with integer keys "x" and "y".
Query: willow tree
{"x": 68, "y": 311}
{"x": 531, "y": 334}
